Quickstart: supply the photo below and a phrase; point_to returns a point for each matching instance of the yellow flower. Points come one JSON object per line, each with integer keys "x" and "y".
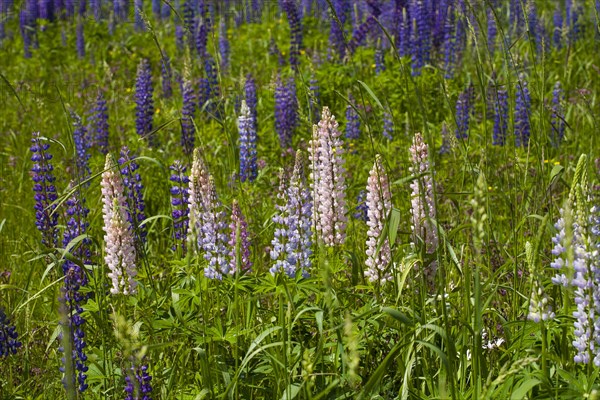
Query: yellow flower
{"x": 302, "y": 52}
{"x": 556, "y": 162}
{"x": 157, "y": 110}
{"x": 128, "y": 90}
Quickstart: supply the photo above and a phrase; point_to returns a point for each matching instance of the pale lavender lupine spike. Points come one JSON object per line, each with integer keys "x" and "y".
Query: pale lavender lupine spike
{"x": 198, "y": 181}
{"x": 120, "y": 248}
{"x": 213, "y": 239}
{"x": 422, "y": 202}
{"x": 379, "y": 204}
{"x": 328, "y": 182}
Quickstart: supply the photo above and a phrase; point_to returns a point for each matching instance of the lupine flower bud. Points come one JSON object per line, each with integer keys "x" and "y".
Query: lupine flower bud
{"x": 328, "y": 182}
{"x": 45, "y": 191}
{"x": 379, "y": 204}
{"x": 120, "y": 248}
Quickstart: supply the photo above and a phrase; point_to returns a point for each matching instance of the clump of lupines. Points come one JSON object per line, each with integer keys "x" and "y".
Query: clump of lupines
{"x": 463, "y": 114}
{"x": 500, "y": 117}
{"x": 188, "y": 134}
{"x": 576, "y": 261}
{"x": 144, "y": 110}
{"x": 80, "y": 139}
{"x": 45, "y": 191}
{"x": 286, "y": 111}
{"x": 248, "y": 165}
{"x": 119, "y": 241}
{"x": 239, "y": 245}
{"x": 179, "y": 201}
{"x": 379, "y": 204}
{"x": 522, "y": 111}
{"x": 352, "y": 120}
{"x": 98, "y": 127}
{"x": 9, "y": 343}
{"x": 292, "y": 242}
{"x": 328, "y": 181}
{"x": 557, "y": 122}
{"x": 138, "y": 388}
{"x": 388, "y": 126}
{"x": 135, "y": 200}
{"x": 289, "y": 6}
{"x": 423, "y": 210}
{"x": 72, "y": 298}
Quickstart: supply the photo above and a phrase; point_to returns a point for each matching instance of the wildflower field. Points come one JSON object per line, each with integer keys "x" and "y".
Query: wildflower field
{"x": 299, "y": 199}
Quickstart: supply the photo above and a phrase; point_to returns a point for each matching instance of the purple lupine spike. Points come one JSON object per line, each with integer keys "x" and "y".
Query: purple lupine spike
{"x": 82, "y": 146}
{"x": 251, "y": 99}
{"x": 557, "y": 19}
{"x": 286, "y": 111}
{"x": 165, "y": 11}
{"x": 247, "y": 132}
{"x": 119, "y": 241}
{"x": 96, "y": 7}
{"x": 404, "y": 29}
{"x": 203, "y": 94}
{"x": 359, "y": 35}
{"x": 179, "y": 35}
{"x": 336, "y": 30}
{"x": 210, "y": 68}
{"x": 522, "y": 111}
{"x": 213, "y": 239}
{"x": 423, "y": 209}
{"x": 156, "y": 9}
{"x": 420, "y": 43}
{"x": 463, "y": 114}
{"x": 557, "y": 121}
{"x": 388, "y": 126}
{"x": 500, "y": 117}
{"x": 80, "y": 40}
{"x": 379, "y": 204}
{"x": 166, "y": 77}
{"x": 45, "y": 191}
{"x": 328, "y": 181}
{"x": 201, "y": 38}
{"x": 224, "y": 49}
{"x": 98, "y": 128}
{"x": 188, "y": 135}
{"x": 9, "y": 338}
{"x": 144, "y": 110}
{"x": 516, "y": 20}
{"x": 138, "y": 6}
{"x": 289, "y": 6}
{"x": 138, "y": 388}
{"x": 292, "y": 244}
{"x": 179, "y": 201}
{"x": 239, "y": 245}
{"x": 352, "y": 120}
{"x": 72, "y": 298}
{"x": 361, "y": 206}
{"x": 492, "y": 30}
{"x": 135, "y": 200}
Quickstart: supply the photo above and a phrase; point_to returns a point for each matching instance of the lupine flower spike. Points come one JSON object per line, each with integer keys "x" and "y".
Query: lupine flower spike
{"x": 9, "y": 343}
{"x": 120, "y": 248}
{"x": 144, "y": 110}
{"x": 138, "y": 388}
{"x": 328, "y": 181}
{"x": 135, "y": 200}
{"x": 239, "y": 245}
{"x": 45, "y": 191}
{"x": 422, "y": 202}
{"x": 248, "y": 164}
{"x": 179, "y": 201}
{"x": 379, "y": 204}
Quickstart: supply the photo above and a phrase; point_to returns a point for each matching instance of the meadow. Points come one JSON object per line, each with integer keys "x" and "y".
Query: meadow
{"x": 299, "y": 199}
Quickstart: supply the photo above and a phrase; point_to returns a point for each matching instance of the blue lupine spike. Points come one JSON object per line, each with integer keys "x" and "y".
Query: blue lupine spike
{"x": 135, "y": 200}
{"x": 45, "y": 191}
{"x": 251, "y": 99}
{"x": 557, "y": 19}
{"x": 144, "y": 110}
{"x": 352, "y": 130}
{"x": 224, "y": 49}
{"x": 286, "y": 111}
{"x": 139, "y": 388}
{"x": 522, "y": 112}
{"x": 463, "y": 114}
{"x": 247, "y": 132}
{"x": 179, "y": 201}
{"x": 289, "y": 6}
{"x": 501, "y": 117}
{"x": 9, "y": 343}
{"x": 187, "y": 116}
{"x": 98, "y": 128}
{"x": 166, "y": 77}
{"x": 82, "y": 156}
{"x": 388, "y": 126}
{"x": 557, "y": 121}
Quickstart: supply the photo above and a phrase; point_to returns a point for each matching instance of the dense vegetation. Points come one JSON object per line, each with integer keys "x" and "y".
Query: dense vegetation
{"x": 441, "y": 242}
